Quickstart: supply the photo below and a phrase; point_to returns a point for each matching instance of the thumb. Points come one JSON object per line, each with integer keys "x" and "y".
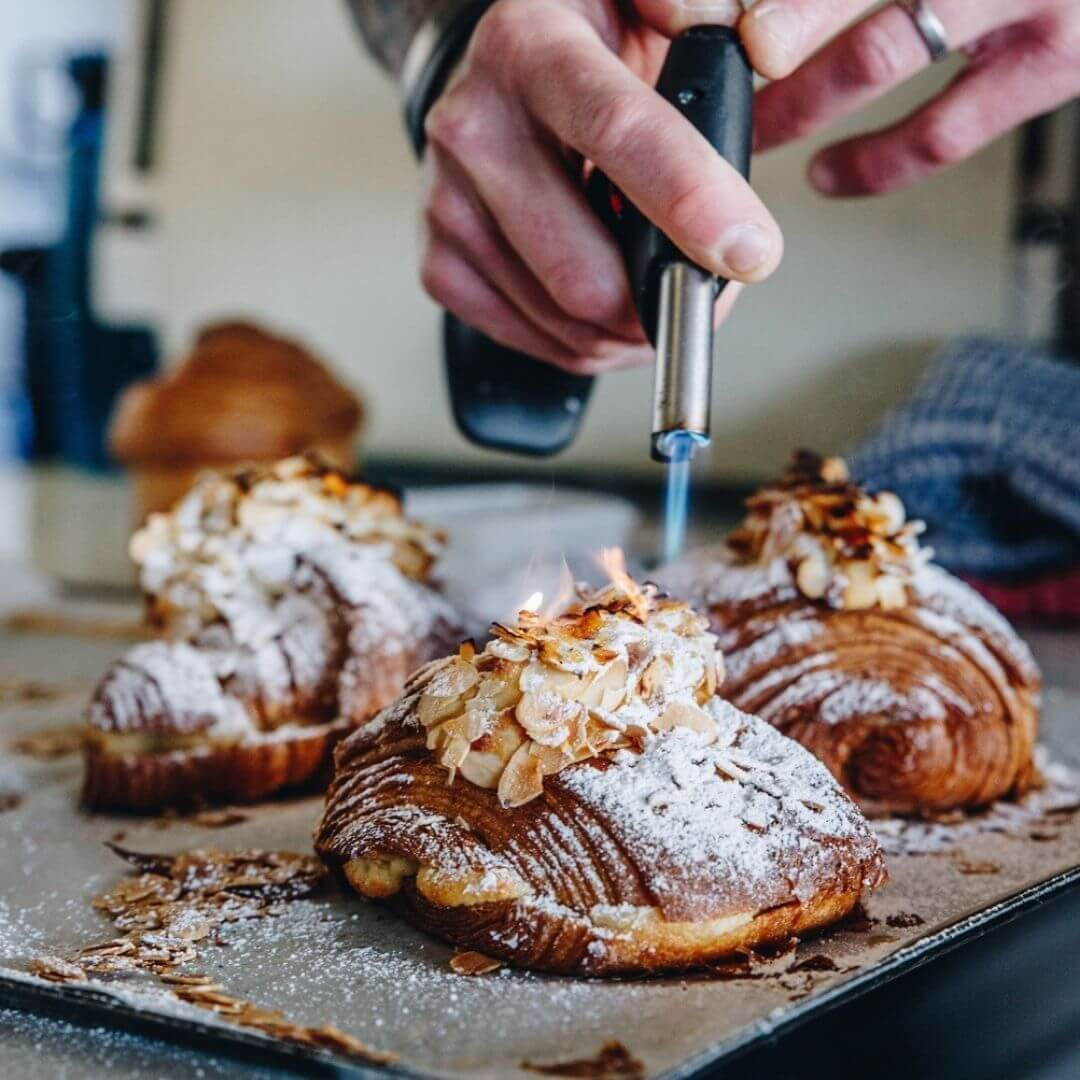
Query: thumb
{"x": 672, "y": 17}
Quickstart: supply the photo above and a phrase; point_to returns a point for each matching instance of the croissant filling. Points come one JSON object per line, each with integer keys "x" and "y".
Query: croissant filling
{"x": 841, "y": 543}
{"x": 615, "y": 667}
{"x": 381, "y": 876}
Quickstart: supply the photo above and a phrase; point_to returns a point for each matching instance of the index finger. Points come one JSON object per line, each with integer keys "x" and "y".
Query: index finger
{"x": 592, "y": 102}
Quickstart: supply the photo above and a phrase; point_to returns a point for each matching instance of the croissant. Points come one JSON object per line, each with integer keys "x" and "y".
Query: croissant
{"x": 294, "y": 605}
{"x": 576, "y": 799}
{"x": 837, "y": 629}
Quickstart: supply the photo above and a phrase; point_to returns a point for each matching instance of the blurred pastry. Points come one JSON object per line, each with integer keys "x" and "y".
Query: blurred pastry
{"x": 241, "y": 395}
{"x": 575, "y": 799}
{"x": 293, "y": 604}
{"x": 837, "y": 628}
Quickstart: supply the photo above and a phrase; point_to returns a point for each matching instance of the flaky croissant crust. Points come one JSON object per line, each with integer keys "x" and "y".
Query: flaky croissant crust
{"x": 682, "y": 851}
{"x": 929, "y": 707}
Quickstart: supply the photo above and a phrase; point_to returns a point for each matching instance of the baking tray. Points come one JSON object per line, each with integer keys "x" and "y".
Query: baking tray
{"x": 337, "y": 960}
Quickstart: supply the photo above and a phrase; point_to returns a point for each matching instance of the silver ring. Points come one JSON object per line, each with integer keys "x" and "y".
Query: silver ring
{"x": 931, "y": 28}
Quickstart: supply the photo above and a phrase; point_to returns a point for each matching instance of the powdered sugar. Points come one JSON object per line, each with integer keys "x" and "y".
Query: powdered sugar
{"x": 712, "y": 576}
{"x": 952, "y": 609}
{"x": 726, "y": 826}
{"x": 1059, "y": 794}
{"x": 276, "y": 587}
{"x": 166, "y": 686}
{"x": 857, "y": 699}
{"x": 787, "y": 635}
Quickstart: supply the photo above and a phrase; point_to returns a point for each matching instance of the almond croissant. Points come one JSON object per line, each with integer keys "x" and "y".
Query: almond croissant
{"x": 295, "y": 605}
{"x": 576, "y": 799}
{"x": 916, "y": 694}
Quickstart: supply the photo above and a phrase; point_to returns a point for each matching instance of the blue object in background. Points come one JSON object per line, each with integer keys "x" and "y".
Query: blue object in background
{"x": 75, "y": 367}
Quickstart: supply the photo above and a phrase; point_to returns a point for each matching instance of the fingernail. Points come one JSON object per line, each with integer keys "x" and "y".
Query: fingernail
{"x": 745, "y": 248}
{"x": 781, "y": 26}
{"x": 823, "y": 176}
{"x": 719, "y": 11}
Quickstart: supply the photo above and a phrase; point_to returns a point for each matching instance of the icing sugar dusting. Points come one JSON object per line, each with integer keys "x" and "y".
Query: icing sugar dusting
{"x": 266, "y": 583}
{"x": 858, "y": 698}
{"x": 775, "y": 642}
{"x": 739, "y": 820}
{"x": 1060, "y": 794}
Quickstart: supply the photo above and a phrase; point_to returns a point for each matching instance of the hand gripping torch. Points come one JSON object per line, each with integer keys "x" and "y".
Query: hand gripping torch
{"x": 508, "y": 401}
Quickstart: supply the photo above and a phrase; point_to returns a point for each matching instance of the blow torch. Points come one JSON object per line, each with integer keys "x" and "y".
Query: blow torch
{"x": 508, "y": 401}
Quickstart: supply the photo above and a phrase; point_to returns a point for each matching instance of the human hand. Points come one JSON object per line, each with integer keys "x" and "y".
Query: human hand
{"x": 511, "y": 244}
{"x": 1023, "y": 60}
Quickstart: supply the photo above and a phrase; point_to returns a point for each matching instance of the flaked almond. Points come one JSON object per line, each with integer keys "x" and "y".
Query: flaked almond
{"x": 551, "y": 758}
{"x": 433, "y": 710}
{"x": 891, "y": 592}
{"x": 454, "y": 751}
{"x": 812, "y": 577}
{"x": 471, "y": 725}
{"x": 546, "y": 717}
{"x": 860, "y": 592}
{"x": 608, "y": 687}
{"x": 453, "y": 680}
{"x": 473, "y": 963}
{"x": 681, "y": 714}
{"x": 522, "y": 779}
{"x": 484, "y": 765}
{"x": 540, "y": 676}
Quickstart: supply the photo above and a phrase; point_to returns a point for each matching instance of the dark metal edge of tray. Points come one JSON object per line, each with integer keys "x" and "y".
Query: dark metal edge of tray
{"x": 90, "y": 1007}
{"x": 913, "y": 955}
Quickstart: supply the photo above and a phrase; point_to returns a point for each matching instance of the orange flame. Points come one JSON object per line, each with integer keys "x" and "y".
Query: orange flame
{"x": 613, "y": 563}
{"x": 535, "y": 612}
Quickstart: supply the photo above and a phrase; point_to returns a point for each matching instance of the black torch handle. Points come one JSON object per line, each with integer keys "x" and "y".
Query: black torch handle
{"x": 506, "y": 400}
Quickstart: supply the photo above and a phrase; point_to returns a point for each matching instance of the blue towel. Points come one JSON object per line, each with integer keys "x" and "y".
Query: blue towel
{"x": 987, "y": 452}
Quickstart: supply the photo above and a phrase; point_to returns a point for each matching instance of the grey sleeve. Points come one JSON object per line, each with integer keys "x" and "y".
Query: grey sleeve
{"x": 387, "y": 26}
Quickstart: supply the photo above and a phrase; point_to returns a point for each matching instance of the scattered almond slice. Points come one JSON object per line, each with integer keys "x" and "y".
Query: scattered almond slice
{"x": 473, "y": 963}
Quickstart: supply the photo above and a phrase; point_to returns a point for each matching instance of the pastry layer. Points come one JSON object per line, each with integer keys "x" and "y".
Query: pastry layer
{"x": 686, "y": 850}
{"x": 242, "y": 772}
{"x": 928, "y": 707}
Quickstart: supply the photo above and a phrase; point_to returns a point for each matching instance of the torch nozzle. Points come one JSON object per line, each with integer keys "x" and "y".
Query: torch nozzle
{"x": 684, "y": 357}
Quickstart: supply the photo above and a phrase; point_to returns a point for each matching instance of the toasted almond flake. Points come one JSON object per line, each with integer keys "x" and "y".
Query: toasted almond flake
{"x": 433, "y": 709}
{"x": 546, "y": 717}
{"x": 473, "y": 963}
{"x": 837, "y": 539}
{"x": 522, "y": 780}
{"x": 55, "y": 969}
{"x": 680, "y": 714}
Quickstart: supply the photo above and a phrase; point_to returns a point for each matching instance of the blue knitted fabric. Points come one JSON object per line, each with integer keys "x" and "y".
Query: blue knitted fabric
{"x": 987, "y": 452}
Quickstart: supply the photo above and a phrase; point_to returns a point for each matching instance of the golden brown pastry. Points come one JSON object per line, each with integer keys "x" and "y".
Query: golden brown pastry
{"x": 295, "y": 604}
{"x": 913, "y": 690}
{"x": 242, "y": 394}
{"x": 575, "y": 799}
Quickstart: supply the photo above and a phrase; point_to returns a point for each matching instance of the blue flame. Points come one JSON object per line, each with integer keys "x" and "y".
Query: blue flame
{"x": 680, "y": 447}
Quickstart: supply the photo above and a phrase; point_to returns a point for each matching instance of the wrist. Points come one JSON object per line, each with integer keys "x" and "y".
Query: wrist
{"x": 433, "y": 52}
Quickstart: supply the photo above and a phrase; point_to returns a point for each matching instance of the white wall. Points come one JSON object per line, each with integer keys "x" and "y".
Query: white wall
{"x": 288, "y": 192}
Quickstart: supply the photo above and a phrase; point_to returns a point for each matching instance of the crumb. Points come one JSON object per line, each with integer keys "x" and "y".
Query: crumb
{"x": 50, "y": 743}
{"x": 976, "y": 867}
{"x": 218, "y": 819}
{"x": 905, "y": 920}
{"x": 817, "y": 962}
{"x": 613, "y": 1060}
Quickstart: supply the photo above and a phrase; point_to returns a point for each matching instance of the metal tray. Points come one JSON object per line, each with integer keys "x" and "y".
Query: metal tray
{"x": 337, "y": 960}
